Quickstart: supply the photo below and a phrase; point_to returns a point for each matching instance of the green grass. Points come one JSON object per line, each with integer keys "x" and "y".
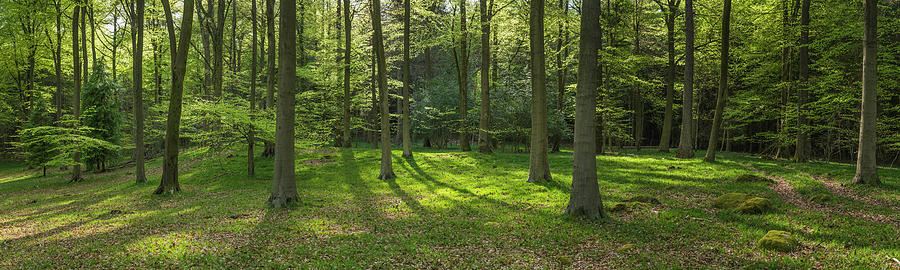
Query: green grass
{"x": 444, "y": 210}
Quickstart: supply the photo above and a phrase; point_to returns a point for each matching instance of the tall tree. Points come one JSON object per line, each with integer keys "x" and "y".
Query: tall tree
{"x": 561, "y": 70}
{"x": 138, "y": 95}
{"x": 407, "y": 144}
{"x": 637, "y": 96}
{"x": 251, "y": 141}
{"x": 284, "y": 184}
{"x": 539, "y": 168}
{"x": 76, "y": 94}
{"x": 671, "y": 9}
{"x": 801, "y": 153}
{"x": 866, "y": 167}
{"x": 484, "y": 123}
{"x": 57, "y": 61}
{"x": 686, "y": 145}
{"x": 169, "y": 181}
{"x": 346, "y": 120}
{"x": 218, "y": 37}
{"x": 463, "y": 73}
{"x": 722, "y": 95}
{"x": 269, "y": 147}
{"x": 585, "y": 198}
{"x": 387, "y": 171}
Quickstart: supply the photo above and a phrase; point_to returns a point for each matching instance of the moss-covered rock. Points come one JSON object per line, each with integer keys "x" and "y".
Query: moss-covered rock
{"x": 755, "y": 205}
{"x": 820, "y": 198}
{"x": 752, "y": 178}
{"x": 730, "y": 200}
{"x": 778, "y": 241}
{"x": 643, "y": 199}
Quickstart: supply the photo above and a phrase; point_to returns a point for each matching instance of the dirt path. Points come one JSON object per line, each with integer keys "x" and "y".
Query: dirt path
{"x": 840, "y": 190}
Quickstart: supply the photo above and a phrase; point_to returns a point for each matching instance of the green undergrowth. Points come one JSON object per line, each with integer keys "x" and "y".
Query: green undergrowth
{"x": 445, "y": 209}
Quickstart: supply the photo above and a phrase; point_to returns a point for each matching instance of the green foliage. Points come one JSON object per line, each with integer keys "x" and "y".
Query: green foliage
{"x": 102, "y": 113}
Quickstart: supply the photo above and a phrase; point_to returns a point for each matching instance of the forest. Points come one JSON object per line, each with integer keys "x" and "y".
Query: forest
{"x": 411, "y": 134}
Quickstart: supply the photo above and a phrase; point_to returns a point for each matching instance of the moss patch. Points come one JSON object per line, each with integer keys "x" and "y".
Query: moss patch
{"x": 778, "y": 241}
{"x": 730, "y": 200}
{"x": 619, "y": 207}
{"x": 752, "y": 178}
{"x": 755, "y": 205}
{"x": 820, "y": 198}
{"x": 643, "y": 199}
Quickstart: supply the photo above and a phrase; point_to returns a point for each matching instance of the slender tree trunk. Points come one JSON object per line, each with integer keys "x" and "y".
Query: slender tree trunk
{"x": 284, "y": 184}
{"x": 76, "y": 94}
{"x": 462, "y": 65}
{"x": 93, "y": 36}
{"x": 484, "y": 123}
{"x": 801, "y": 154}
{"x": 346, "y": 121}
{"x": 638, "y": 96}
{"x": 686, "y": 144}
{"x": 585, "y": 198}
{"x": 138, "y": 78}
{"x": 203, "y": 14}
{"x": 722, "y": 95}
{"x": 251, "y": 140}
{"x": 57, "y": 62}
{"x": 407, "y": 144}
{"x": 218, "y": 37}
{"x": 387, "y": 171}
{"x": 866, "y": 166}
{"x": 539, "y": 168}
{"x": 665, "y": 138}
{"x": 269, "y": 147}
{"x": 169, "y": 182}
{"x": 85, "y": 72}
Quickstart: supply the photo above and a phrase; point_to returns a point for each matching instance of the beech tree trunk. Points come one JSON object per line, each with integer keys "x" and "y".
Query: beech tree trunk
{"x": 284, "y": 184}
{"x": 686, "y": 144}
{"x": 484, "y": 122}
{"x": 585, "y": 198}
{"x": 463, "y": 71}
{"x": 269, "y": 147}
{"x": 866, "y": 167}
{"x": 138, "y": 79}
{"x": 722, "y": 95}
{"x": 638, "y": 96}
{"x": 666, "y": 136}
{"x": 801, "y": 154}
{"x": 346, "y": 121}
{"x": 169, "y": 182}
{"x": 539, "y": 168}
{"x": 387, "y": 171}
{"x": 251, "y": 140}
{"x": 76, "y": 93}
{"x": 407, "y": 144}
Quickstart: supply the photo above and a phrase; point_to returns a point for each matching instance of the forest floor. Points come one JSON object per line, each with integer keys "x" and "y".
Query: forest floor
{"x": 445, "y": 210}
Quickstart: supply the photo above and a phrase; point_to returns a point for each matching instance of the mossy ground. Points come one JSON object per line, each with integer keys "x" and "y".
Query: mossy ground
{"x": 444, "y": 210}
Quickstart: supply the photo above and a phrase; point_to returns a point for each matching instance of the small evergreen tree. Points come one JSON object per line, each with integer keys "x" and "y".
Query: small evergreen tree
{"x": 38, "y": 149}
{"x": 102, "y": 114}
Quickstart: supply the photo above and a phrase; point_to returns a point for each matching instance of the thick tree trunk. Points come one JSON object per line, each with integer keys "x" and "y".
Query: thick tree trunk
{"x": 463, "y": 70}
{"x": 387, "y": 171}
{"x": 284, "y": 184}
{"x": 866, "y": 167}
{"x": 484, "y": 121}
{"x": 722, "y": 95}
{"x": 346, "y": 121}
{"x": 269, "y": 147}
{"x": 251, "y": 140}
{"x": 138, "y": 79}
{"x": 169, "y": 182}
{"x": 666, "y": 136}
{"x": 585, "y": 198}
{"x": 76, "y": 94}
{"x": 686, "y": 145}
{"x": 407, "y": 144}
{"x": 539, "y": 168}
{"x": 801, "y": 154}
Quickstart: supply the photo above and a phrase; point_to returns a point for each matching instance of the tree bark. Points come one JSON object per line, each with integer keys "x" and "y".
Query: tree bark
{"x": 284, "y": 184}
{"x": 76, "y": 95}
{"x": 463, "y": 71}
{"x": 387, "y": 171}
{"x": 251, "y": 140}
{"x": 539, "y": 168}
{"x": 169, "y": 182}
{"x": 218, "y": 37}
{"x": 57, "y": 62}
{"x": 138, "y": 79}
{"x": 801, "y": 154}
{"x": 666, "y": 136}
{"x": 407, "y": 144}
{"x": 866, "y": 166}
{"x": 585, "y": 198}
{"x": 484, "y": 123}
{"x": 722, "y": 95}
{"x": 686, "y": 145}
{"x": 346, "y": 121}
{"x": 269, "y": 147}
{"x": 638, "y": 96}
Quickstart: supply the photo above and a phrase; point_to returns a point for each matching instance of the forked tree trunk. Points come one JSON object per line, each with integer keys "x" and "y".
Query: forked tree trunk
{"x": 284, "y": 183}
{"x": 484, "y": 121}
{"x": 387, "y": 171}
{"x": 169, "y": 182}
{"x": 866, "y": 168}
{"x": 686, "y": 145}
{"x": 138, "y": 79}
{"x": 722, "y": 95}
{"x": 585, "y": 198}
{"x": 539, "y": 168}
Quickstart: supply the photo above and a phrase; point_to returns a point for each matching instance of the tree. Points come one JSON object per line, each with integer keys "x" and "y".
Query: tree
{"x": 539, "y": 168}
{"x": 345, "y": 135}
{"x": 169, "y": 181}
{"x": 484, "y": 123}
{"x": 138, "y": 78}
{"x": 284, "y": 184}
{"x": 251, "y": 166}
{"x": 218, "y": 37}
{"x": 801, "y": 153}
{"x": 407, "y": 144}
{"x": 637, "y": 98}
{"x": 585, "y": 198}
{"x": 76, "y": 95}
{"x": 866, "y": 167}
{"x": 462, "y": 76}
{"x": 269, "y": 148}
{"x": 686, "y": 145}
{"x": 671, "y": 9}
{"x": 387, "y": 171}
{"x": 722, "y": 95}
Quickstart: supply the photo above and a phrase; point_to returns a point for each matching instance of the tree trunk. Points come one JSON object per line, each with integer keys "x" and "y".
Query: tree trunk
{"x": 76, "y": 94}
{"x": 169, "y": 182}
{"x": 539, "y": 168}
{"x": 463, "y": 72}
{"x": 251, "y": 140}
{"x": 407, "y": 144}
{"x": 218, "y": 37}
{"x": 484, "y": 123}
{"x": 585, "y": 198}
{"x": 638, "y": 97}
{"x": 57, "y": 62}
{"x": 686, "y": 144}
{"x": 85, "y": 72}
{"x": 665, "y": 138}
{"x": 269, "y": 147}
{"x": 93, "y": 36}
{"x": 387, "y": 171}
{"x": 138, "y": 79}
{"x": 284, "y": 184}
{"x": 346, "y": 121}
{"x": 722, "y": 95}
{"x": 801, "y": 154}
{"x": 866, "y": 167}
